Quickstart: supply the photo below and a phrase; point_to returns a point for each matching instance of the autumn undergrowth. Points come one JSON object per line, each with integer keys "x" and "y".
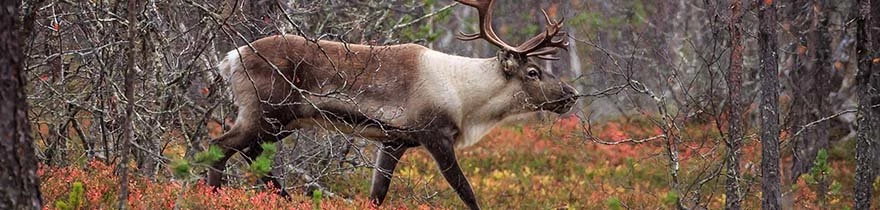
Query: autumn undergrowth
{"x": 529, "y": 166}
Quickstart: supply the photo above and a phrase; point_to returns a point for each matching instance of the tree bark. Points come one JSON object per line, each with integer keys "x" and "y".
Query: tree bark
{"x": 797, "y": 83}
{"x": 869, "y": 89}
{"x": 814, "y": 83}
{"x": 767, "y": 40}
{"x": 874, "y": 83}
{"x": 18, "y": 166}
{"x": 734, "y": 84}
{"x": 127, "y": 129}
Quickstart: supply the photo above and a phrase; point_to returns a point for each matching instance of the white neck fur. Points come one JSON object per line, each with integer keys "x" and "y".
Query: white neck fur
{"x": 473, "y": 90}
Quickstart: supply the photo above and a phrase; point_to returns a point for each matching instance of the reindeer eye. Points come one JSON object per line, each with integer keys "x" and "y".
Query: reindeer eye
{"x": 533, "y": 73}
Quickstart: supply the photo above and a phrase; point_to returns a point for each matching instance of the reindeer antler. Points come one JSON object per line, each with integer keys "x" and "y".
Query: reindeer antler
{"x": 544, "y": 45}
{"x": 484, "y": 10}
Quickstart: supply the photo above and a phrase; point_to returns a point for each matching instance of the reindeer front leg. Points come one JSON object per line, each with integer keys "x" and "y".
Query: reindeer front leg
{"x": 386, "y": 161}
{"x": 444, "y": 153}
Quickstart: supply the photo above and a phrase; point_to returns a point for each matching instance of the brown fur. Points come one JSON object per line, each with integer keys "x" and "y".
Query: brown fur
{"x": 340, "y": 78}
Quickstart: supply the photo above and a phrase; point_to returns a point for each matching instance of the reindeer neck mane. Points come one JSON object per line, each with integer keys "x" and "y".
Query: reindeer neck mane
{"x": 474, "y": 92}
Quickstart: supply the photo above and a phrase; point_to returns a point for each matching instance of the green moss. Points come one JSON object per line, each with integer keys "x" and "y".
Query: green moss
{"x": 614, "y": 203}
{"x": 670, "y": 199}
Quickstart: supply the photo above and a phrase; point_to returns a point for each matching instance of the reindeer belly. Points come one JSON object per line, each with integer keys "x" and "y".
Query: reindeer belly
{"x": 369, "y": 131}
{"x": 359, "y": 118}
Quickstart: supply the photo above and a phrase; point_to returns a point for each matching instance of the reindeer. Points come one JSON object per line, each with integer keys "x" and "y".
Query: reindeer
{"x": 402, "y": 96}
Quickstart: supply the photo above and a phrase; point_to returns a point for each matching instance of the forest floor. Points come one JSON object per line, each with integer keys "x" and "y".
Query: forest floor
{"x": 550, "y": 166}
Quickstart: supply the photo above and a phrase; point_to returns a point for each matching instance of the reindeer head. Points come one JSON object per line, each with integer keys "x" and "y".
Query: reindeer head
{"x": 540, "y": 89}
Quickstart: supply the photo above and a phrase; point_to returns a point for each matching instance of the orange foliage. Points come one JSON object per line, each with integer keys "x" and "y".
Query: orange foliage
{"x": 532, "y": 166}
{"x": 101, "y": 192}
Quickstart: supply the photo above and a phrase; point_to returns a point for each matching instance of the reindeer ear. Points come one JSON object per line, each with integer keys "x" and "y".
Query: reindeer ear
{"x": 508, "y": 61}
{"x": 508, "y": 65}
